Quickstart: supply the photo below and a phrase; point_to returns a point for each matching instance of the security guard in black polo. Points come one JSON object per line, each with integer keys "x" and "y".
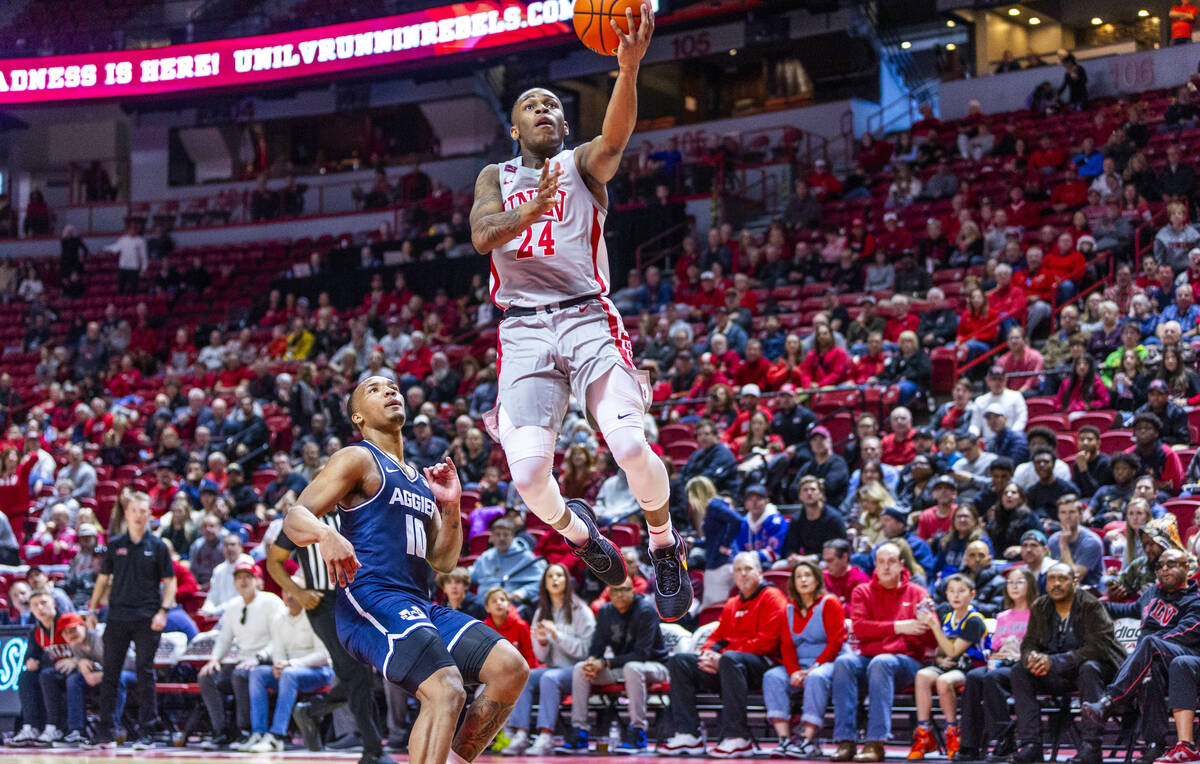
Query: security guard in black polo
{"x": 138, "y": 580}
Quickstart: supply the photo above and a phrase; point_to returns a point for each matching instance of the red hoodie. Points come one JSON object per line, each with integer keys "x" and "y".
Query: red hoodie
{"x": 750, "y": 625}
{"x": 874, "y": 611}
{"x": 516, "y": 630}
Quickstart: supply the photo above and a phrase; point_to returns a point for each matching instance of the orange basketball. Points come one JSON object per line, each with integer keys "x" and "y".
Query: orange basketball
{"x": 593, "y": 29}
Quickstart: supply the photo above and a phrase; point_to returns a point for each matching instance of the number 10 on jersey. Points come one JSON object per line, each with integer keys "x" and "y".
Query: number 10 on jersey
{"x": 544, "y": 240}
{"x": 415, "y": 533}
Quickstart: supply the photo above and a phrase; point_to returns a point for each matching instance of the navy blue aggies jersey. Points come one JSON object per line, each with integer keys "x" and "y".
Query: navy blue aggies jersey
{"x": 389, "y": 530}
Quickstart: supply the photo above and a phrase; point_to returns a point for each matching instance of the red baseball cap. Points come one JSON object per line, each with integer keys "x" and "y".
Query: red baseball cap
{"x": 67, "y": 621}
{"x": 244, "y": 566}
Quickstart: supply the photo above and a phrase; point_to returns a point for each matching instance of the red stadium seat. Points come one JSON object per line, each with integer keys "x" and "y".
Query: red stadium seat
{"x": 1114, "y": 441}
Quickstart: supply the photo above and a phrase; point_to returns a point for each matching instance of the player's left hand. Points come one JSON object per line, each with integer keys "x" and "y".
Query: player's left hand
{"x": 633, "y": 45}
{"x": 443, "y": 481}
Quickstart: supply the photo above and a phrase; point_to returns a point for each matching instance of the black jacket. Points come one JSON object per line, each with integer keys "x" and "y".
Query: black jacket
{"x": 942, "y": 324}
{"x": 1175, "y": 423}
{"x": 1174, "y": 616}
{"x": 917, "y": 368}
{"x": 717, "y": 463}
{"x": 633, "y": 635}
{"x": 1093, "y": 630}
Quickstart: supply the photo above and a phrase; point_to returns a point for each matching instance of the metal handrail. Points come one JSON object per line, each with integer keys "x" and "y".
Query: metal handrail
{"x": 637, "y": 253}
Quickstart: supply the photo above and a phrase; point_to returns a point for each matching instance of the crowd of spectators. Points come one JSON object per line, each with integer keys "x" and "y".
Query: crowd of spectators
{"x": 916, "y": 523}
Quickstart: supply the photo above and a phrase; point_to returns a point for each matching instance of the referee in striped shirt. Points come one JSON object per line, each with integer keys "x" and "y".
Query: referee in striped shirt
{"x": 318, "y": 597}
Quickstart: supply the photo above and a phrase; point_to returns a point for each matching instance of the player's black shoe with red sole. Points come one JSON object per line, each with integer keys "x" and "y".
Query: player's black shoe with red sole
{"x": 598, "y": 553}
{"x": 672, "y": 585}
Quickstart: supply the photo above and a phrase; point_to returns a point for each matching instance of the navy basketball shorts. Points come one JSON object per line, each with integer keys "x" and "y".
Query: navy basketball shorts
{"x": 408, "y": 639}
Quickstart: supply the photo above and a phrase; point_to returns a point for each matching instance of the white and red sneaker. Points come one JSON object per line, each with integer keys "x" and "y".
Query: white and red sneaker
{"x": 1180, "y": 753}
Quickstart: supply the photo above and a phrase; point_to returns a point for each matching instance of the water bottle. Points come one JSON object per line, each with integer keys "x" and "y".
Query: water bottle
{"x": 614, "y": 737}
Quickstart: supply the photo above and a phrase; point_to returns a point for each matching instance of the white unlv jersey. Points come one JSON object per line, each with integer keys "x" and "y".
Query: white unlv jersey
{"x": 558, "y": 258}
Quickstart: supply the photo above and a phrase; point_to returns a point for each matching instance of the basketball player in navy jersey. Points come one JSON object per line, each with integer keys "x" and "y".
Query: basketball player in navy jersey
{"x": 395, "y": 524}
{"x": 541, "y": 216}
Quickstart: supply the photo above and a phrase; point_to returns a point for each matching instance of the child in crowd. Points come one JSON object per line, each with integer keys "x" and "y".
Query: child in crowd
{"x": 503, "y": 617}
{"x": 960, "y": 637}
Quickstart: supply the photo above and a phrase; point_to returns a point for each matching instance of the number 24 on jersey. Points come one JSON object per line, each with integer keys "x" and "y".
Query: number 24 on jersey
{"x": 544, "y": 245}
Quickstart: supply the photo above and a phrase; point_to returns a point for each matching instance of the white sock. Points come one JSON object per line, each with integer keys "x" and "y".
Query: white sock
{"x": 540, "y": 493}
{"x": 454, "y": 758}
{"x": 576, "y": 531}
{"x": 661, "y": 535}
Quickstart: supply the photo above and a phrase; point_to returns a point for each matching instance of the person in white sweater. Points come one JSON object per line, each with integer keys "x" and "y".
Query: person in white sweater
{"x": 998, "y": 392}
{"x": 221, "y": 589}
{"x": 562, "y": 633}
{"x": 243, "y": 642}
{"x": 299, "y": 663}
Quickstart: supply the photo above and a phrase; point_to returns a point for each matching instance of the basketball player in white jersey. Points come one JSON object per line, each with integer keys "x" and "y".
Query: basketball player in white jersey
{"x": 541, "y": 216}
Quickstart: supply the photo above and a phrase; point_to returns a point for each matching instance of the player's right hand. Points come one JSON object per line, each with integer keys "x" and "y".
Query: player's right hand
{"x": 340, "y": 559}
{"x": 547, "y": 190}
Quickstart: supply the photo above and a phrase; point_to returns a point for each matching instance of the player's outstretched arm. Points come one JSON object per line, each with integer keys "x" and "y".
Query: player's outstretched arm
{"x": 446, "y": 530}
{"x": 491, "y": 224}
{"x": 341, "y": 477}
{"x": 600, "y": 158}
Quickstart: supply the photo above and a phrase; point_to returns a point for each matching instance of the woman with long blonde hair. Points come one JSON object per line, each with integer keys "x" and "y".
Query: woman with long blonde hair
{"x": 719, "y": 526}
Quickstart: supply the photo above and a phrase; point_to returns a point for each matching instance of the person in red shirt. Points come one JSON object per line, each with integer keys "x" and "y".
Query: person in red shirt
{"x": 786, "y": 370}
{"x": 727, "y": 361}
{"x": 233, "y": 372}
{"x": 1047, "y": 157}
{"x": 747, "y": 405}
{"x": 125, "y": 379}
{"x": 508, "y": 623}
{"x": 870, "y": 364}
{"x": 977, "y": 327}
{"x": 1067, "y": 263}
{"x": 1038, "y": 280}
{"x": 894, "y": 239}
{"x": 902, "y": 320}
{"x": 940, "y": 517}
{"x": 1183, "y": 19}
{"x": 883, "y": 614}
{"x": 1020, "y": 212}
{"x": 100, "y": 421}
{"x": 746, "y": 641}
{"x": 710, "y": 296}
{"x": 823, "y": 184}
{"x": 217, "y": 470}
{"x": 416, "y": 363}
{"x": 164, "y": 489}
{"x": 826, "y": 364}
{"x": 199, "y": 376}
{"x": 753, "y": 371}
{"x": 897, "y": 448}
{"x": 1071, "y": 193}
{"x": 860, "y": 241}
{"x": 1007, "y": 299}
{"x": 926, "y": 124}
{"x": 376, "y": 300}
{"x": 841, "y": 578}
{"x": 1022, "y": 364}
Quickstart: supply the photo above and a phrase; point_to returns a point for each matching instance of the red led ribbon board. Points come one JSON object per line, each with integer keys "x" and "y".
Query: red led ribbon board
{"x": 335, "y": 49}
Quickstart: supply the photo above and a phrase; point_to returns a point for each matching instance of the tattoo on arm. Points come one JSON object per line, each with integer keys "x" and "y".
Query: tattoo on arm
{"x": 484, "y": 719}
{"x": 491, "y": 224}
